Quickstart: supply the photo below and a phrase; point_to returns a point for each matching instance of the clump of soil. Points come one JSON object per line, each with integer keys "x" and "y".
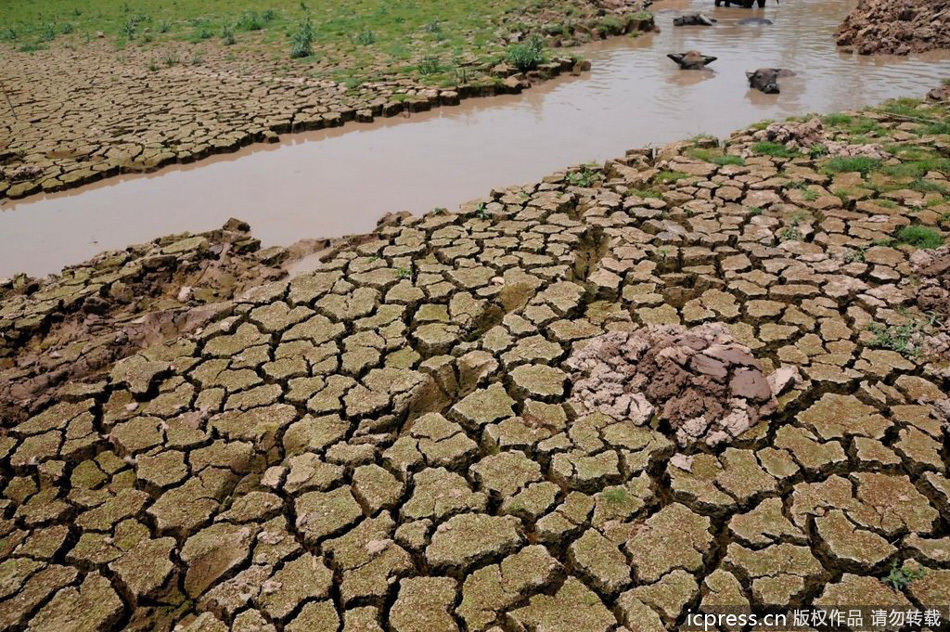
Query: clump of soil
{"x": 897, "y": 27}
{"x": 700, "y": 382}
{"x": 933, "y": 295}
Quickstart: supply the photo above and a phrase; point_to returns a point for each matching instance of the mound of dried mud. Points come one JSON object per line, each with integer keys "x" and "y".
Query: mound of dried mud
{"x": 701, "y": 382}
{"x": 933, "y": 295}
{"x": 898, "y": 27}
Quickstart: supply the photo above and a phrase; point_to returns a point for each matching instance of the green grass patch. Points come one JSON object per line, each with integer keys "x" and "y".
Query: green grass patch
{"x": 775, "y": 150}
{"x": 855, "y": 255}
{"x": 401, "y": 32}
{"x": 665, "y": 177}
{"x": 921, "y": 237}
{"x": 900, "y": 577}
{"x": 527, "y": 55}
{"x": 837, "y": 120}
{"x": 904, "y": 339}
{"x": 791, "y": 233}
{"x": 862, "y": 125}
{"x": 913, "y": 169}
{"x": 850, "y": 164}
{"x": 301, "y": 43}
{"x": 616, "y": 495}
{"x": 717, "y": 157}
{"x": 586, "y": 176}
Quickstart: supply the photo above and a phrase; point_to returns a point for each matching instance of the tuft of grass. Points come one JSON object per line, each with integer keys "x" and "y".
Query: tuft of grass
{"x": 403, "y": 273}
{"x": 920, "y": 237}
{"x": 30, "y": 47}
{"x": 917, "y": 168}
{"x": 900, "y": 578}
{"x": 611, "y": 25}
{"x": 904, "y": 339}
{"x": 227, "y": 35}
{"x": 715, "y": 157}
{"x": 365, "y": 37}
{"x": 669, "y": 176}
{"x": 587, "y": 176}
{"x": 791, "y": 233}
{"x": 855, "y": 255}
{"x": 204, "y": 32}
{"x": 863, "y": 125}
{"x": 250, "y": 21}
{"x": 526, "y": 56}
{"x": 47, "y": 33}
{"x": 302, "y": 40}
{"x": 616, "y": 495}
{"x": 837, "y": 120}
{"x": 775, "y": 150}
{"x": 429, "y": 65}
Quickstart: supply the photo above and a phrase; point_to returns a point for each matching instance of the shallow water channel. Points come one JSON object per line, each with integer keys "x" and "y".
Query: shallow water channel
{"x": 331, "y": 183}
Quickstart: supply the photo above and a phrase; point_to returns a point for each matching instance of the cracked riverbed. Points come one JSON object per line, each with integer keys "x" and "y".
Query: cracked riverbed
{"x": 341, "y": 181}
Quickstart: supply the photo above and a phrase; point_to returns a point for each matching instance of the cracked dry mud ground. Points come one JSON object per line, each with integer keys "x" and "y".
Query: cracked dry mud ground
{"x": 388, "y": 442}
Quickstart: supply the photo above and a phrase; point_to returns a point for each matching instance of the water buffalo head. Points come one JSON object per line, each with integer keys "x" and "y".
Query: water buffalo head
{"x": 692, "y": 60}
{"x": 766, "y": 79}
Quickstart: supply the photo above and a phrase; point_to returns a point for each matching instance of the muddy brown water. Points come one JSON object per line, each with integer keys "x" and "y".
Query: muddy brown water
{"x": 331, "y": 183}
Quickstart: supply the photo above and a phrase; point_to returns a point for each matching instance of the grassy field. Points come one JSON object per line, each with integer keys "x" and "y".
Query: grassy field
{"x": 412, "y": 36}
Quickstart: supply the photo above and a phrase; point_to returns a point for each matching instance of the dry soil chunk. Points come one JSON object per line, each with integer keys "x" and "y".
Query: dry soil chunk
{"x": 212, "y": 552}
{"x": 322, "y": 514}
{"x": 572, "y": 608}
{"x": 92, "y": 606}
{"x": 674, "y": 537}
{"x": 144, "y": 569}
{"x": 600, "y": 561}
{"x": 301, "y": 579}
{"x": 424, "y": 604}
{"x": 778, "y": 573}
{"x": 470, "y": 538}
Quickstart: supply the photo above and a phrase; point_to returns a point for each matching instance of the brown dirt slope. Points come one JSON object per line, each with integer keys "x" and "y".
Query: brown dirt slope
{"x": 898, "y": 27}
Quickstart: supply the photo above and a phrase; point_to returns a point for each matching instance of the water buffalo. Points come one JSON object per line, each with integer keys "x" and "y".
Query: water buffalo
{"x": 742, "y": 3}
{"x": 766, "y": 79}
{"x": 693, "y": 19}
{"x": 692, "y": 60}
{"x": 755, "y": 22}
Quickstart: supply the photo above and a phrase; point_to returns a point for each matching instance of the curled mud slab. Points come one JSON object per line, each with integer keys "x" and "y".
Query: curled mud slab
{"x": 386, "y": 442}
